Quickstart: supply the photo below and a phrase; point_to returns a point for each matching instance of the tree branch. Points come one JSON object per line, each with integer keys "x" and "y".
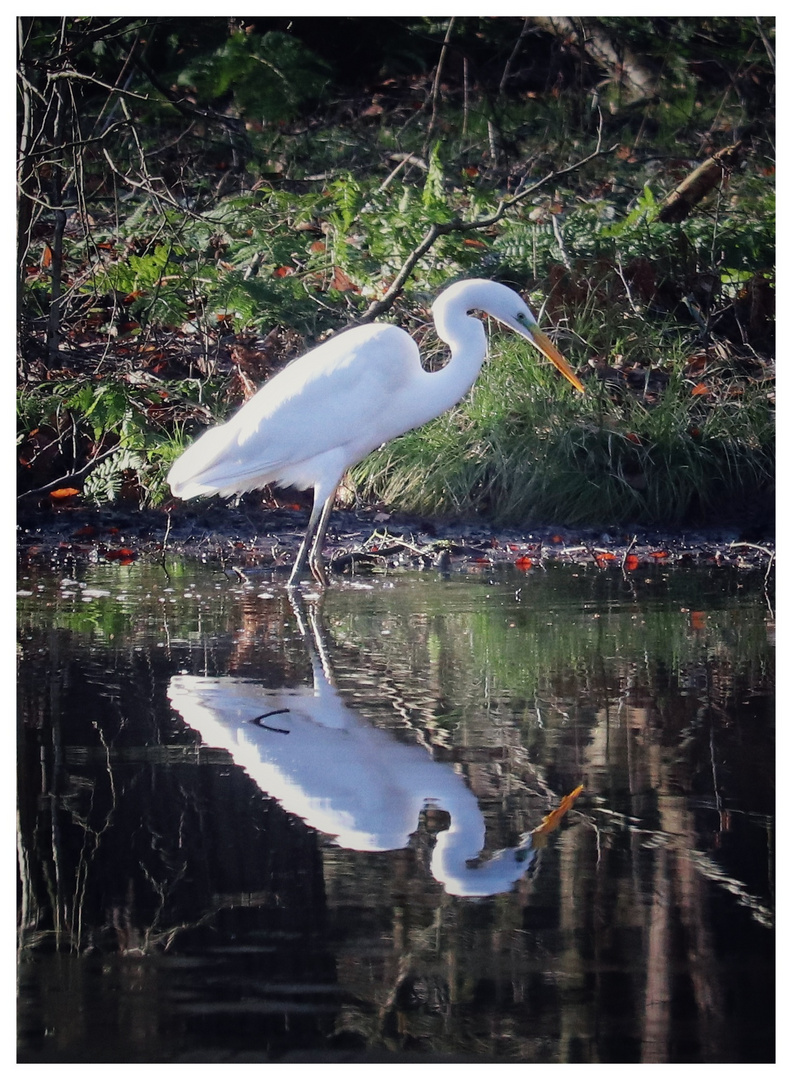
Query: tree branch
{"x": 457, "y": 225}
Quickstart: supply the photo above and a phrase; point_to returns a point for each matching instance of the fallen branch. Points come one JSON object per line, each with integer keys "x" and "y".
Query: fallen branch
{"x": 677, "y": 205}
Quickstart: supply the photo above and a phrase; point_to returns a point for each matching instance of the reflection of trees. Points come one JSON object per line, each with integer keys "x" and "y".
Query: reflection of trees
{"x": 135, "y": 844}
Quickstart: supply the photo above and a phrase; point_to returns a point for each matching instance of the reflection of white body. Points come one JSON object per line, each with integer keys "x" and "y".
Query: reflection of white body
{"x": 323, "y": 762}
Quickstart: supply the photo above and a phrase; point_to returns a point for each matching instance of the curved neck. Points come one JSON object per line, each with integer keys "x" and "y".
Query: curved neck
{"x": 463, "y": 841}
{"x": 467, "y": 340}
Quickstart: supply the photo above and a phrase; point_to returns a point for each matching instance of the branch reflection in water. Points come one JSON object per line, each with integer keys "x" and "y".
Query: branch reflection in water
{"x": 326, "y": 763}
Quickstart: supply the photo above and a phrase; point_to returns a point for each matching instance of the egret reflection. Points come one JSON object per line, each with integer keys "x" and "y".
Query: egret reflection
{"x": 325, "y": 763}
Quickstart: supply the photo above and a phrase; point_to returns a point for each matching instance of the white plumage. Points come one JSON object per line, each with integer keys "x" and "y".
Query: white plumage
{"x": 331, "y": 407}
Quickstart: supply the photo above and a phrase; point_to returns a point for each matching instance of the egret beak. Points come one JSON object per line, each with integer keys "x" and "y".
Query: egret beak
{"x": 545, "y": 345}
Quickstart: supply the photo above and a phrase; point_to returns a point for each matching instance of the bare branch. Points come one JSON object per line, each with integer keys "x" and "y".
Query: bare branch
{"x": 70, "y": 478}
{"x": 445, "y": 228}
{"x": 71, "y": 73}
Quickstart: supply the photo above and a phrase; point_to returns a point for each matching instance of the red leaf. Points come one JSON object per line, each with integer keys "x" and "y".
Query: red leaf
{"x": 699, "y": 390}
{"x": 631, "y": 562}
{"x": 64, "y": 493}
{"x": 524, "y": 563}
{"x": 121, "y": 554}
{"x": 659, "y": 554}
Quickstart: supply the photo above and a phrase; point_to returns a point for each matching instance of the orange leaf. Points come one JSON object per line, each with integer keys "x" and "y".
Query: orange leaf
{"x": 474, "y": 243}
{"x": 659, "y": 554}
{"x": 64, "y": 493}
{"x": 283, "y": 271}
{"x": 524, "y": 563}
{"x": 631, "y": 562}
{"x": 698, "y": 620}
{"x": 318, "y": 245}
{"x": 46, "y": 257}
{"x": 699, "y": 390}
{"x": 120, "y": 553}
{"x": 634, "y": 438}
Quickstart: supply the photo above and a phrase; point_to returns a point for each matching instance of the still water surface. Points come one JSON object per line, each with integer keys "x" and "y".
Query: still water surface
{"x": 259, "y": 829}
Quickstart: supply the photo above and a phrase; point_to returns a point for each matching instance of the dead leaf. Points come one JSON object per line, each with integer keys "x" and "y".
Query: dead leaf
{"x": 342, "y": 283}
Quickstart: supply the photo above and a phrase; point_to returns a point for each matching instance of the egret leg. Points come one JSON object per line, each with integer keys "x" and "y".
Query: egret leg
{"x": 302, "y": 555}
{"x": 315, "y": 560}
{"x": 310, "y": 552}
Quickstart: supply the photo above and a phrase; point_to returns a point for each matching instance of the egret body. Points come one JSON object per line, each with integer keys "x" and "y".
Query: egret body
{"x": 328, "y": 409}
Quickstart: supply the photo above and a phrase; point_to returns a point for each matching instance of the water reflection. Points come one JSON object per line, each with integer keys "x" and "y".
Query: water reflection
{"x": 171, "y": 911}
{"x": 324, "y": 762}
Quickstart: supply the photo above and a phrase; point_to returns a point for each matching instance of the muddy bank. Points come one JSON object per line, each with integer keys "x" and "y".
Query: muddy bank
{"x": 250, "y": 537}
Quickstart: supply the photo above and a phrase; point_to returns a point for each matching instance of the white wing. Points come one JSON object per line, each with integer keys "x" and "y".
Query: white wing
{"x": 323, "y": 412}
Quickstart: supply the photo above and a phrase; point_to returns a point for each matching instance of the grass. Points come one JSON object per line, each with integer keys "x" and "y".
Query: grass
{"x": 524, "y": 447}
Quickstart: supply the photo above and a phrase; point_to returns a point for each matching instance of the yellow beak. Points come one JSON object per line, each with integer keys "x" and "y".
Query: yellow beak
{"x": 545, "y": 345}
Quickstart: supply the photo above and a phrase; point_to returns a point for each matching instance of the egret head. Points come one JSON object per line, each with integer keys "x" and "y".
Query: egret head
{"x": 504, "y": 304}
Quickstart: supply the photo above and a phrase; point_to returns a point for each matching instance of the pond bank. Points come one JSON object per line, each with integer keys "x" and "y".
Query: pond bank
{"x": 250, "y": 537}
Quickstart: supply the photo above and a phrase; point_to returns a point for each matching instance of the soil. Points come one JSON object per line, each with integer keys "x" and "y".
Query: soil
{"x": 254, "y": 539}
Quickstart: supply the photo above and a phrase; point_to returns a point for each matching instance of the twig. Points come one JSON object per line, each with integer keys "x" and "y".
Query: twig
{"x": 560, "y": 241}
{"x": 438, "y": 73}
{"x": 513, "y": 56}
{"x": 70, "y": 478}
{"x": 71, "y": 73}
{"x": 758, "y": 547}
{"x": 627, "y": 551}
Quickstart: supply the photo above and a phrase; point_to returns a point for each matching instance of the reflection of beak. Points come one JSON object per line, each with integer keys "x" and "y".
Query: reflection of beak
{"x": 545, "y": 345}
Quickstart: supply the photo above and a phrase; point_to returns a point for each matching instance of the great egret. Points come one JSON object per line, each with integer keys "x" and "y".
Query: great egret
{"x": 327, "y": 764}
{"x": 331, "y": 407}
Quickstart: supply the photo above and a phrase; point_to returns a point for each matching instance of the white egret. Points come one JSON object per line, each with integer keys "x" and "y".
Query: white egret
{"x": 326, "y": 763}
{"x": 331, "y": 407}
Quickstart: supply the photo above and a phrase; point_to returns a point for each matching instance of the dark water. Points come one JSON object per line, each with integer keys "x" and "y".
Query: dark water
{"x": 189, "y": 747}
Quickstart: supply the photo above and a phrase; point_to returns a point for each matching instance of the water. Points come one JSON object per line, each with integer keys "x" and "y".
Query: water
{"x": 245, "y": 823}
